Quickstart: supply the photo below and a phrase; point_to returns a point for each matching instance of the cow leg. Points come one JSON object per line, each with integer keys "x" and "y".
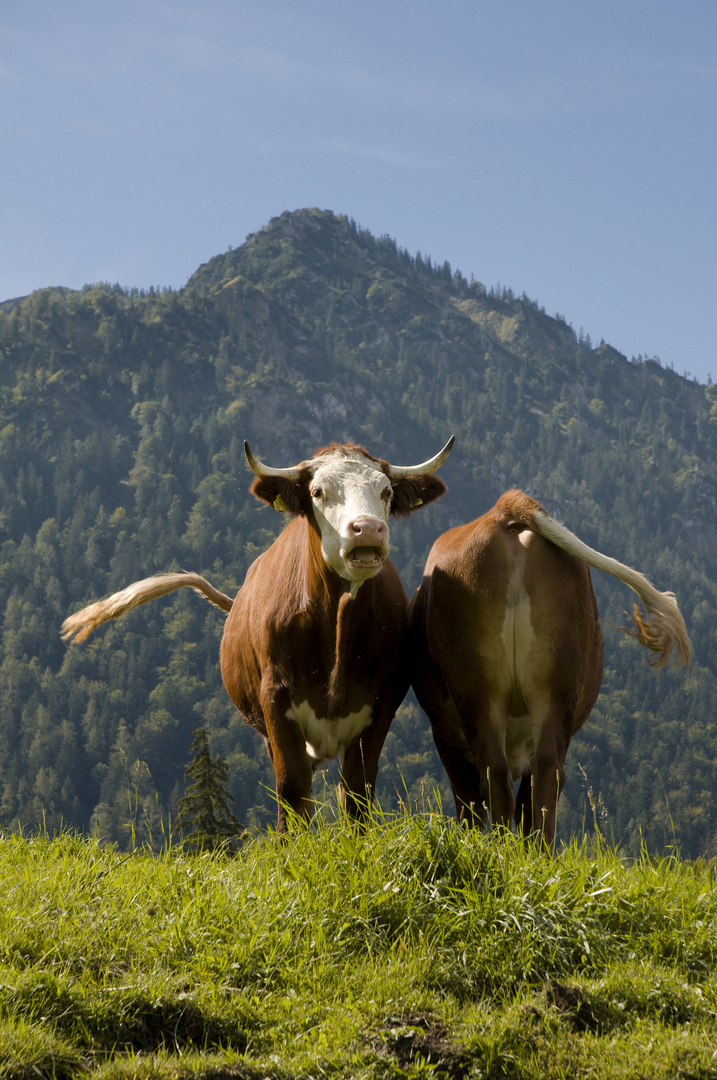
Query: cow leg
{"x": 484, "y": 728}
{"x": 462, "y": 705}
{"x": 293, "y": 780}
{"x": 524, "y": 804}
{"x": 465, "y": 781}
{"x": 498, "y": 785}
{"x": 287, "y": 750}
{"x": 358, "y": 779}
{"x": 448, "y": 734}
{"x": 548, "y": 781}
{"x": 359, "y": 763}
{"x": 539, "y": 789}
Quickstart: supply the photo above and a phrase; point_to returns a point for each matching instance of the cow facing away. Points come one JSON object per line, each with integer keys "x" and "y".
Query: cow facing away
{"x": 507, "y": 656}
{"x": 314, "y": 652}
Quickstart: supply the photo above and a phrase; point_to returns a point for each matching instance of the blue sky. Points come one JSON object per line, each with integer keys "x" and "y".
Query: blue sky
{"x": 567, "y": 150}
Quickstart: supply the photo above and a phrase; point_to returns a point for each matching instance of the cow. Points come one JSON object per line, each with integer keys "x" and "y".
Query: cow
{"x": 313, "y": 651}
{"x": 507, "y": 656}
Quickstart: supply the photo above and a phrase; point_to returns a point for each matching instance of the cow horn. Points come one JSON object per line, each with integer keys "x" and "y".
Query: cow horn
{"x": 264, "y": 472}
{"x": 402, "y": 472}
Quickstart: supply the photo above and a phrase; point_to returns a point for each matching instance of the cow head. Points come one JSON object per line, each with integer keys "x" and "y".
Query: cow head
{"x": 349, "y": 495}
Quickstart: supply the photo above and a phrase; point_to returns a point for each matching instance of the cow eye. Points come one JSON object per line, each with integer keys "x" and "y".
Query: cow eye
{"x": 317, "y": 493}
{"x": 387, "y": 494}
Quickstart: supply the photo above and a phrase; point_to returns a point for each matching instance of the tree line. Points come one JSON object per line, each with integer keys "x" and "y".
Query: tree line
{"x": 121, "y": 425}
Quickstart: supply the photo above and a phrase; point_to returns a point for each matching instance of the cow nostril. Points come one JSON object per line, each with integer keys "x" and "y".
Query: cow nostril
{"x": 373, "y": 529}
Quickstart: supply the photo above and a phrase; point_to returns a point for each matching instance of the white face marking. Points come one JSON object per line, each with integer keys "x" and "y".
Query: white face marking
{"x": 324, "y": 738}
{"x": 351, "y": 500}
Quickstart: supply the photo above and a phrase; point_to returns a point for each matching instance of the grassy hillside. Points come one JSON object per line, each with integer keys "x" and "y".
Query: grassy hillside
{"x": 408, "y": 950}
{"x": 122, "y": 416}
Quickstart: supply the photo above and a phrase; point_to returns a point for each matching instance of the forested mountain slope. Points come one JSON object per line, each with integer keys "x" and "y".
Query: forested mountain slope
{"x": 122, "y": 416}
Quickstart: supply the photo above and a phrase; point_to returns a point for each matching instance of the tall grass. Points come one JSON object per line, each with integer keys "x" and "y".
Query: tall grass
{"x": 409, "y": 948}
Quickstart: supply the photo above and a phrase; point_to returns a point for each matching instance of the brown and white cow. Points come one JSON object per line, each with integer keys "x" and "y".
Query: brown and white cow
{"x": 508, "y": 655}
{"x": 313, "y": 653}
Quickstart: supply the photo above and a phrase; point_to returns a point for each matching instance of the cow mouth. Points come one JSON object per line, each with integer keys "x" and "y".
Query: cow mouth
{"x": 365, "y": 558}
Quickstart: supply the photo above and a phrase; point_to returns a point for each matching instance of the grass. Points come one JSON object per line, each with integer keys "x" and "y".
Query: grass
{"x": 410, "y": 949}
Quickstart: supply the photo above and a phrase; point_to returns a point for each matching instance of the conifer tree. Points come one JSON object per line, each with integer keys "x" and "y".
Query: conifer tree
{"x": 205, "y": 819}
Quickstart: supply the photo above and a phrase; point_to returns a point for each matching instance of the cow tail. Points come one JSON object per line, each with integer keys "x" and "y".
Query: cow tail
{"x": 660, "y": 628}
{"x": 79, "y": 626}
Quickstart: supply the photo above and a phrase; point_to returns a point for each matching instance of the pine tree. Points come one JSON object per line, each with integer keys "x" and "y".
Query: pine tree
{"x": 205, "y": 819}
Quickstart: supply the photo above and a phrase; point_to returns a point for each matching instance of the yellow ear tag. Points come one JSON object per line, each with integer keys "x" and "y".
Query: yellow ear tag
{"x": 418, "y": 502}
{"x": 280, "y": 505}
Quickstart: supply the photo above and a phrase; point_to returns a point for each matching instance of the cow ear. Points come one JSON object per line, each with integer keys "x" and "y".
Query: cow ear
{"x": 415, "y": 491}
{"x": 284, "y": 495}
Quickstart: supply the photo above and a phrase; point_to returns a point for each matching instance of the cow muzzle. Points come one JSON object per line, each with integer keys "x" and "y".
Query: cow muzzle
{"x": 366, "y": 546}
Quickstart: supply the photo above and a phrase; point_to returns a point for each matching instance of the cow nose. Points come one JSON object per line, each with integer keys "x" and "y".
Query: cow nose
{"x": 368, "y": 533}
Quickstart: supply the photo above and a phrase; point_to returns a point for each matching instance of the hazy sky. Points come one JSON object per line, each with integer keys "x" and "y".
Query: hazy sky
{"x": 565, "y": 149}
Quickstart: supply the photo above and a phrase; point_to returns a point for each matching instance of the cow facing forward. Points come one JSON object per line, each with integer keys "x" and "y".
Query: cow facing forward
{"x": 313, "y": 652}
{"x": 508, "y": 656}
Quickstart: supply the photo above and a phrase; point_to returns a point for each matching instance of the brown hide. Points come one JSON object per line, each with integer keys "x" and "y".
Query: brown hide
{"x": 280, "y": 649}
{"x": 507, "y": 657}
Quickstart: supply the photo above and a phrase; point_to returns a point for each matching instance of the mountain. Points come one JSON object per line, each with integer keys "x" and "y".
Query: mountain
{"x": 122, "y": 415}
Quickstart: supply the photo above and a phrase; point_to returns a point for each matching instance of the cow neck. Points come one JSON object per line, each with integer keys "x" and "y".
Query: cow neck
{"x": 337, "y": 679}
{"x": 337, "y": 597}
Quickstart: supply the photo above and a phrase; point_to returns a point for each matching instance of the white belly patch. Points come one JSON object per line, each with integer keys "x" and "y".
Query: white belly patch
{"x": 517, "y": 634}
{"x": 324, "y": 738}
{"x": 518, "y": 710}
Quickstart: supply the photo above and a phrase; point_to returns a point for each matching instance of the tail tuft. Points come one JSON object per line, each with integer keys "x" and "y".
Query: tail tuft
{"x": 661, "y": 629}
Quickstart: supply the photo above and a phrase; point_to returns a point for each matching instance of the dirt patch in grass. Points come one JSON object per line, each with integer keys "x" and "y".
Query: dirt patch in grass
{"x": 573, "y": 1005}
{"x": 411, "y": 1039}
